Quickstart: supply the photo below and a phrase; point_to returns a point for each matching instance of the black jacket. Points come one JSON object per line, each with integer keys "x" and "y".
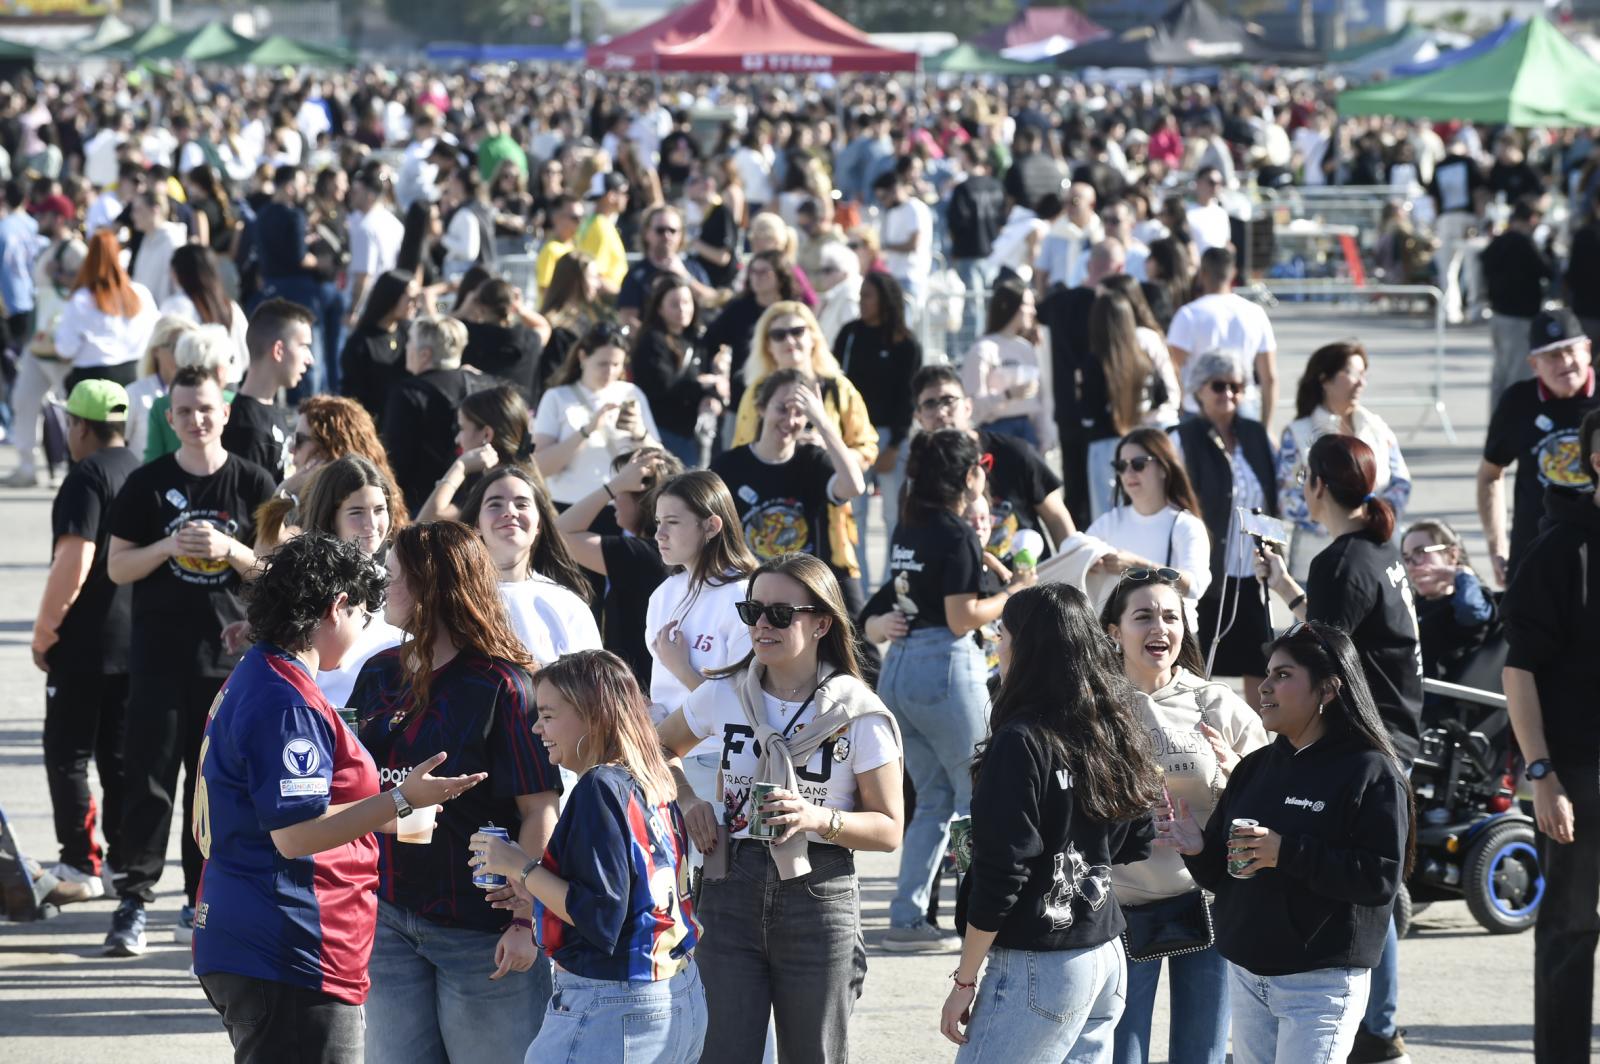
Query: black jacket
{"x": 674, "y": 391}
{"x": 1514, "y": 271}
{"x": 509, "y": 352}
{"x": 1583, "y": 272}
{"x": 977, "y": 213}
{"x": 881, "y": 370}
{"x": 1211, "y": 473}
{"x": 419, "y": 428}
{"x": 1041, "y": 867}
{"x": 1341, "y": 810}
{"x": 372, "y": 362}
{"x": 1552, "y": 618}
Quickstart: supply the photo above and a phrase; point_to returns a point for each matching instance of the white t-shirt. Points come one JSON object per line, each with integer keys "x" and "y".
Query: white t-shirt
{"x": 375, "y": 239}
{"x": 336, "y": 684}
{"x": 829, "y": 776}
{"x": 1209, "y": 226}
{"x": 180, "y": 305}
{"x": 1169, "y": 537}
{"x": 563, "y": 413}
{"x": 1223, "y": 321}
{"x": 717, "y": 638}
{"x": 549, "y": 619}
{"x": 901, "y": 223}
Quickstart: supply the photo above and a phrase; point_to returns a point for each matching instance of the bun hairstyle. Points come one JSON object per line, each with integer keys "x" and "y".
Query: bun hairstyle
{"x": 1350, "y": 470}
{"x": 936, "y": 473}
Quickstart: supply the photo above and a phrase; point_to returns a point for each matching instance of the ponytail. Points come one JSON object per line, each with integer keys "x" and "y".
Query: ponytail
{"x": 1350, "y": 470}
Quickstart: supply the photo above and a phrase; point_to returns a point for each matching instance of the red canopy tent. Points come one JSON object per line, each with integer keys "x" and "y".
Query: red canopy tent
{"x": 1039, "y": 24}
{"x": 749, "y": 37}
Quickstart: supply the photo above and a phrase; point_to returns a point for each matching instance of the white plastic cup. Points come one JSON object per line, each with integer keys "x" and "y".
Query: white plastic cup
{"x": 418, "y": 827}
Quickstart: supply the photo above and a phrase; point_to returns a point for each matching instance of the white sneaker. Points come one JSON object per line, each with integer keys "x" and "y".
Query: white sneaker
{"x": 75, "y": 886}
{"x": 924, "y": 938}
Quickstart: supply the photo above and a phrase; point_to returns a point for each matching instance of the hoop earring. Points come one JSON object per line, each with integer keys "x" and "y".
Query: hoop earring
{"x": 579, "y": 749}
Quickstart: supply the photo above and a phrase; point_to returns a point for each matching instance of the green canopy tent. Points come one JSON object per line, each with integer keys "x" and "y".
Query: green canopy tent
{"x": 1537, "y": 78}
{"x": 969, "y": 59}
{"x": 1376, "y": 44}
{"x": 151, "y": 36}
{"x": 110, "y": 30}
{"x": 278, "y": 50}
{"x": 204, "y": 45}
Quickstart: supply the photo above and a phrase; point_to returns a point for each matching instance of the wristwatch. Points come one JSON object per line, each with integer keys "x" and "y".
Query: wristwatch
{"x": 1538, "y": 770}
{"x": 401, "y": 806}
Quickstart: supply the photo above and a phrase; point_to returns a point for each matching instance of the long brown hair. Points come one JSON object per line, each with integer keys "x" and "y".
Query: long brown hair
{"x": 838, "y": 647}
{"x": 452, "y": 580}
{"x": 502, "y": 409}
{"x": 336, "y": 482}
{"x": 102, "y": 274}
{"x": 1325, "y": 362}
{"x": 602, "y": 689}
{"x": 341, "y": 426}
{"x": 566, "y": 284}
{"x": 549, "y": 556}
{"x": 1157, "y": 444}
{"x": 725, "y": 553}
{"x": 1114, "y": 339}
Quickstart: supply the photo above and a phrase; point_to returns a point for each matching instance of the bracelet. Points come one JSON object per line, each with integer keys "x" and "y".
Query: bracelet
{"x": 607, "y": 485}
{"x": 522, "y": 876}
{"x": 1296, "y": 602}
{"x": 522, "y": 921}
{"x": 835, "y": 825}
{"x": 955, "y": 977}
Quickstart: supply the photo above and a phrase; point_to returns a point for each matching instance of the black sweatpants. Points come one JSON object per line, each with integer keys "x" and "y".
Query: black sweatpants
{"x": 1568, "y": 928}
{"x": 271, "y": 1023}
{"x": 166, "y": 723}
{"x": 83, "y": 718}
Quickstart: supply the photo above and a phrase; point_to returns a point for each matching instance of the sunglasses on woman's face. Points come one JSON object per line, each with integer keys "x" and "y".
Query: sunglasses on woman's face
{"x": 778, "y": 336}
{"x": 1160, "y": 574}
{"x": 780, "y": 614}
{"x": 301, "y": 439}
{"x": 1138, "y": 465}
{"x": 1228, "y": 387}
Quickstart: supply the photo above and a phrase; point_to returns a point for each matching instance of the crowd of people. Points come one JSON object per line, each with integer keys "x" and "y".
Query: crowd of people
{"x": 524, "y": 623}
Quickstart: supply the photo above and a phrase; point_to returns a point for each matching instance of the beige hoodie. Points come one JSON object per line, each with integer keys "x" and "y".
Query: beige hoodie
{"x": 1172, "y": 718}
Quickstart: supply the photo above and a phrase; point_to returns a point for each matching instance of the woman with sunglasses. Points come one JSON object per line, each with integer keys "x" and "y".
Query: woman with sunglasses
{"x": 1328, "y": 399}
{"x": 589, "y": 414}
{"x": 780, "y": 904}
{"x": 1063, "y": 789}
{"x": 1304, "y": 897}
{"x": 935, "y": 677}
{"x": 1454, "y": 613}
{"x": 1156, "y": 522}
{"x": 1201, "y": 730}
{"x": 327, "y": 428}
{"x": 1229, "y": 461}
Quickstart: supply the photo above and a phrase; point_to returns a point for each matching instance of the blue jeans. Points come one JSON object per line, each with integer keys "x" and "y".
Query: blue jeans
{"x": 1197, "y": 991}
{"x": 889, "y": 492}
{"x": 1047, "y": 1006}
{"x": 1101, "y": 478}
{"x": 432, "y": 1000}
{"x": 1308, "y": 1018}
{"x": 686, "y": 448}
{"x": 979, "y": 277}
{"x": 1018, "y": 425}
{"x": 663, "y": 1022}
{"x": 1384, "y": 1000}
{"x": 934, "y": 682}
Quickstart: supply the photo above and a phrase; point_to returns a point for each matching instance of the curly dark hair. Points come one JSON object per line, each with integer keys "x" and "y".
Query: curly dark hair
{"x": 301, "y": 580}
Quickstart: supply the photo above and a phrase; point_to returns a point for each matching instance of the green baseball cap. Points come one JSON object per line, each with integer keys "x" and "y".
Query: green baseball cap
{"x": 98, "y": 400}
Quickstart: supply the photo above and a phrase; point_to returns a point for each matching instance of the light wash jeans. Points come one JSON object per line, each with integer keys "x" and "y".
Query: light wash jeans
{"x": 1510, "y": 339}
{"x": 1197, "y": 991}
{"x": 889, "y": 490}
{"x": 1052, "y": 1006}
{"x": 934, "y": 682}
{"x": 433, "y": 1002}
{"x": 663, "y": 1022}
{"x": 1102, "y": 479}
{"x": 1307, "y": 1018}
{"x": 37, "y": 380}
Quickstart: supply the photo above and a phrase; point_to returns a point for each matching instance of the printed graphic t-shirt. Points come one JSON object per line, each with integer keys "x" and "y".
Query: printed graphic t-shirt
{"x": 783, "y": 507}
{"x": 936, "y": 557}
{"x": 1539, "y": 434}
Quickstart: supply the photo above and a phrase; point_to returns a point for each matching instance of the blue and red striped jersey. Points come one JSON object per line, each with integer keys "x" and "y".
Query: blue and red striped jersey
{"x": 276, "y": 754}
{"x": 626, "y": 865}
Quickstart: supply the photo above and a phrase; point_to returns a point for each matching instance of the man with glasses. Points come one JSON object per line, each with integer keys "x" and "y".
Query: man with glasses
{"x": 663, "y": 236}
{"x": 565, "y": 215}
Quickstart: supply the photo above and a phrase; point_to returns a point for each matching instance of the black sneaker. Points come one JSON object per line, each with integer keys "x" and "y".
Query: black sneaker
{"x": 126, "y": 937}
{"x": 1370, "y": 1049}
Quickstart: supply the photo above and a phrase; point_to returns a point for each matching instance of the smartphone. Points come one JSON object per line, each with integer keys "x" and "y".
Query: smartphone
{"x": 1263, "y": 528}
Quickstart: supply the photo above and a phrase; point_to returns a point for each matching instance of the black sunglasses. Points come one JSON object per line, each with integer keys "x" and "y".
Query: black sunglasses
{"x": 938, "y": 403}
{"x": 301, "y": 439}
{"x": 1297, "y": 627}
{"x": 781, "y": 614}
{"x": 664, "y": 230}
{"x": 792, "y": 333}
{"x": 1138, "y": 465}
{"x": 1160, "y": 574}
{"x": 1222, "y": 387}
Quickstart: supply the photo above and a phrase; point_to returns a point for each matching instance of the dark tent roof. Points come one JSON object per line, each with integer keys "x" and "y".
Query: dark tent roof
{"x": 1190, "y": 34}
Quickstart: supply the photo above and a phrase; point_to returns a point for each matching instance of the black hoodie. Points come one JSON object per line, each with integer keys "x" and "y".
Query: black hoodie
{"x": 1552, "y": 621}
{"x": 1340, "y": 807}
{"x": 1041, "y": 866}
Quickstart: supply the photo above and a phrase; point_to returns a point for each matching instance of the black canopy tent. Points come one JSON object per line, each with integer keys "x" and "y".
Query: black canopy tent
{"x": 1190, "y": 34}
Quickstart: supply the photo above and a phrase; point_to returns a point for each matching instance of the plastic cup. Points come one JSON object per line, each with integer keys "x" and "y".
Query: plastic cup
{"x": 418, "y": 827}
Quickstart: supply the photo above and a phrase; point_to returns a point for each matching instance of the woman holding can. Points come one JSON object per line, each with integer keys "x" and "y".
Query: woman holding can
{"x": 1305, "y": 852}
{"x": 780, "y": 903}
{"x": 1198, "y": 729}
{"x": 451, "y": 973}
{"x": 611, "y": 891}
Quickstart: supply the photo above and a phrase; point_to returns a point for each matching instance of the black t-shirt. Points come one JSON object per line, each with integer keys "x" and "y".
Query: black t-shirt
{"x": 94, "y": 633}
{"x": 783, "y": 507}
{"x": 1019, "y": 480}
{"x": 929, "y": 559}
{"x": 509, "y": 352}
{"x": 181, "y": 608}
{"x": 1360, "y": 585}
{"x": 261, "y": 433}
{"x": 1539, "y": 434}
{"x": 719, "y": 230}
{"x": 634, "y": 570}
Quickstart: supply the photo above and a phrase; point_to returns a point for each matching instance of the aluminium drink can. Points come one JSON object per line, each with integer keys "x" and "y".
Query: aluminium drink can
{"x": 961, "y": 842}
{"x": 759, "y": 828}
{"x": 1237, "y": 865}
{"x": 491, "y": 880}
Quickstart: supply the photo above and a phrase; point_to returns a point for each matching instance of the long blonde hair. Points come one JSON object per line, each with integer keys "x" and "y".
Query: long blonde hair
{"x": 602, "y": 689}
{"x": 760, "y": 364}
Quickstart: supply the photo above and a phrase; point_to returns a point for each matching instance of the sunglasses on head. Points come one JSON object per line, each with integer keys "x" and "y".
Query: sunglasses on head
{"x": 1222, "y": 387}
{"x": 792, "y": 333}
{"x": 1161, "y": 574}
{"x": 1138, "y": 465}
{"x": 779, "y": 614}
{"x": 1305, "y": 626}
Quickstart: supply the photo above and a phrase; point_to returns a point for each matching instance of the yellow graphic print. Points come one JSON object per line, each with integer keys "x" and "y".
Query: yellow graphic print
{"x": 1561, "y": 461}
{"x": 777, "y": 526}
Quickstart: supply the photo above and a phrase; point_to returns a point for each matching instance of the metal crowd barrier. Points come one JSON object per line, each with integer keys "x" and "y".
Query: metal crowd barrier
{"x": 1475, "y": 695}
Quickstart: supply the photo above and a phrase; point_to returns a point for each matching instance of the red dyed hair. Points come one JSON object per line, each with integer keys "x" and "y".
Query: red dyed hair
{"x": 102, "y": 274}
{"x": 1350, "y": 469}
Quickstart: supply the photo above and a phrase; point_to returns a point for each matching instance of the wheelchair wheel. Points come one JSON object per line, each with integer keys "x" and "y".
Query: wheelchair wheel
{"x": 1501, "y": 879}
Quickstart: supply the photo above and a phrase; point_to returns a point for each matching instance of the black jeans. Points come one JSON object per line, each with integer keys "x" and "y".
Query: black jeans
{"x": 83, "y": 718}
{"x": 124, "y": 373}
{"x": 1568, "y": 928}
{"x": 270, "y": 1023}
{"x": 166, "y": 724}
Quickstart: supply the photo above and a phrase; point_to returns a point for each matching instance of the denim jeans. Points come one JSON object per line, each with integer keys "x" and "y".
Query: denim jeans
{"x": 1019, "y": 426}
{"x": 1197, "y": 992}
{"x": 1308, "y": 1018}
{"x": 686, "y": 448}
{"x": 1100, "y": 477}
{"x": 663, "y": 1022}
{"x": 791, "y": 949}
{"x": 934, "y": 681}
{"x": 432, "y": 1000}
{"x": 1047, "y": 1006}
{"x": 1568, "y": 928}
{"x": 269, "y": 1022}
{"x": 978, "y": 277}
{"x": 889, "y": 491}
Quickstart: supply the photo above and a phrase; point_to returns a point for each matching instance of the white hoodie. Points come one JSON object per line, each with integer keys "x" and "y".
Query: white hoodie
{"x": 1172, "y": 718}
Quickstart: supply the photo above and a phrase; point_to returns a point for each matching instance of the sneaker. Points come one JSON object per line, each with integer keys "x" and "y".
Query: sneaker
{"x": 1370, "y": 1049}
{"x": 74, "y": 886}
{"x": 126, "y": 937}
{"x": 924, "y": 938}
{"x": 184, "y": 932}
{"x": 21, "y": 479}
